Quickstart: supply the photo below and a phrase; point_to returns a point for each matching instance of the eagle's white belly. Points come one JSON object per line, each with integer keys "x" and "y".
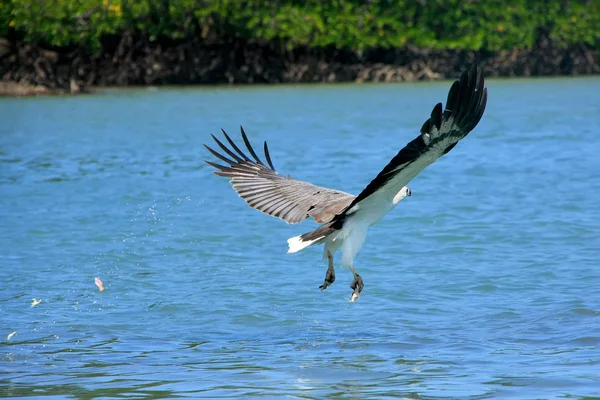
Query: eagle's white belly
{"x": 354, "y": 232}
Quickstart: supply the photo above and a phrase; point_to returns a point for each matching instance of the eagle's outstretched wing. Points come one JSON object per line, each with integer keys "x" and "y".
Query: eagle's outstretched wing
{"x": 264, "y": 189}
{"x": 440, "y": 133}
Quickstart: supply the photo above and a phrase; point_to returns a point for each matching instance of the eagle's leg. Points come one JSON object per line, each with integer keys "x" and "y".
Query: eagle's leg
{"x": 357, "y": 285}
{"x": 330, "y": 275}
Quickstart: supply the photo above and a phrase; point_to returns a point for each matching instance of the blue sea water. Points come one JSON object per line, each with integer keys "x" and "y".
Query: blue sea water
{"x": 484, "y": 284}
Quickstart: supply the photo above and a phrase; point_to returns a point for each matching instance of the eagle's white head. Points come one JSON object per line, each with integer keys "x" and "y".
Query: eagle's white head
{"x": 405, "y": 191}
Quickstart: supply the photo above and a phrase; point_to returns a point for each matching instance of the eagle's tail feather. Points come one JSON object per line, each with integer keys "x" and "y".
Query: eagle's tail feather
{"x": 297, "y": 243}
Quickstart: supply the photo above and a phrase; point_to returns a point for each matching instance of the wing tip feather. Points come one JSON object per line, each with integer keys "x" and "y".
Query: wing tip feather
{"x": 240, "y": 161}
{"x": 466, "y": 98}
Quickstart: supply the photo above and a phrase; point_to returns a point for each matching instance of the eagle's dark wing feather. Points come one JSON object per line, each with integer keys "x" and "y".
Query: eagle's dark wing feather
{"x": 440, "y": 133}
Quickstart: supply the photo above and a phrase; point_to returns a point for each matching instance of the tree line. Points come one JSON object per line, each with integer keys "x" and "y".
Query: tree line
{"x": 354, "y": 25}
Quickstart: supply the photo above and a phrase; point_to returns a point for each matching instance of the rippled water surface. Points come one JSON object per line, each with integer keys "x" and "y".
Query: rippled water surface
{"x": 484, "y": 284}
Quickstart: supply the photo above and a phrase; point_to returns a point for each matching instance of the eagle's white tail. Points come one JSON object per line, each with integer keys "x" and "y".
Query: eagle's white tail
{"x": 296, "y": 243}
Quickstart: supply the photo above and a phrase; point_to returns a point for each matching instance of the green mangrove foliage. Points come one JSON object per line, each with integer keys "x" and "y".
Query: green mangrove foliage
{"x": 347, "y": 24}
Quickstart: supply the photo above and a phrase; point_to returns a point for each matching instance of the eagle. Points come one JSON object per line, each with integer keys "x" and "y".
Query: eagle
{"x": 345, "y": 218}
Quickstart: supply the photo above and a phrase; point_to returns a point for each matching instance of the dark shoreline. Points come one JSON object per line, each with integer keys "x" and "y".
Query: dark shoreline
{"x": 27, "y": 69}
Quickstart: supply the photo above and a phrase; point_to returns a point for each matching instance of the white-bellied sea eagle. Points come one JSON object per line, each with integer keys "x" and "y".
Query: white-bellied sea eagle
{"x": 346, "y": 218}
